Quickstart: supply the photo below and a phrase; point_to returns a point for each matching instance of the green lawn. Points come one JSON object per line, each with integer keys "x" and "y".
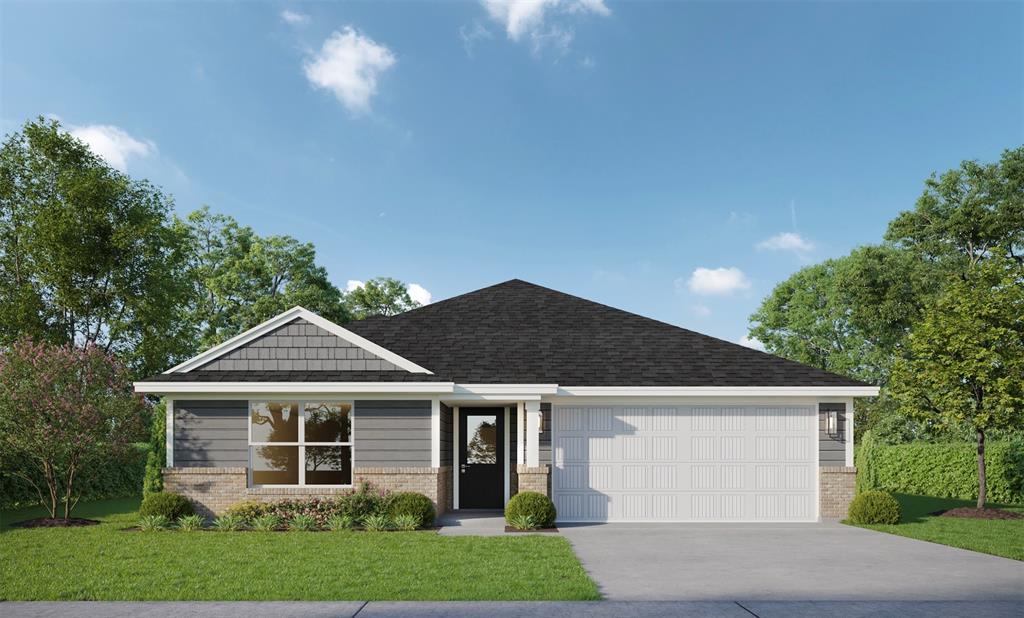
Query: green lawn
{"x": 104, "y": 563}
{"x": 998, "y": 537}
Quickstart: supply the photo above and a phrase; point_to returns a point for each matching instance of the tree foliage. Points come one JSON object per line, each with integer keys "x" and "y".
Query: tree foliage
{"x": 88, "y": 255}
{"x": 244, "y": 279}
{"x": 966, "y": 357}
{"x": 63, "y": 410}
{"x": 382, "y": 296}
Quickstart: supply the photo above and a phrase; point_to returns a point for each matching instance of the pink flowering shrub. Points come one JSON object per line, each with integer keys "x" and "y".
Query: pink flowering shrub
{"x": 64, "y": 411}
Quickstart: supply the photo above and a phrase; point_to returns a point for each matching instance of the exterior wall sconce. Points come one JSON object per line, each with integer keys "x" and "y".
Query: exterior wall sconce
{"x": 832, "y": 424}
{"x": 540, "y": 422}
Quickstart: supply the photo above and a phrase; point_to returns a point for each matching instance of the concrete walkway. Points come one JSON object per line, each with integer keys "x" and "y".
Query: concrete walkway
{"x": 472, "y": 523}
{"x": 599, "y": 609}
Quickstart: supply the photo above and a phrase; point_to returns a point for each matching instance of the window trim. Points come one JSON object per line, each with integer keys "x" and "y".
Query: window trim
{"x": 302, "y": 444}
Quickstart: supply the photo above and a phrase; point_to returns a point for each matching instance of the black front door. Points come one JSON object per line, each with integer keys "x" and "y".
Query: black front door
{"x": 481, "y": 458}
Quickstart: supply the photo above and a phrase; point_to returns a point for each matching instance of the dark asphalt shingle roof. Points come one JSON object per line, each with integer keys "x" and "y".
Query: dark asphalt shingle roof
{"x": 518, "y": 332}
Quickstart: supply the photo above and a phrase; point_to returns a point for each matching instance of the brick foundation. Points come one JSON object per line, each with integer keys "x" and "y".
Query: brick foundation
{"x": 213, "y": 490}
{"x": 534, "y": 479}
{"x": 836, "y": 489}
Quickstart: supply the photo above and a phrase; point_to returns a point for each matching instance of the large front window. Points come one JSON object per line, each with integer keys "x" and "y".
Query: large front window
{"x": 300, "y": 443}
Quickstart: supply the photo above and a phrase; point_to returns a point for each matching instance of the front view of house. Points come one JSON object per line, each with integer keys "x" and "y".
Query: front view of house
{"x": 513, "y": 387}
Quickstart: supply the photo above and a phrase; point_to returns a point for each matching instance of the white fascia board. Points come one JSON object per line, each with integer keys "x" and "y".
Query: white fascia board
{"x": 717, "y": 391}
{"x": 506, "y": 389}
{"x": 282, "y": 319}
{"x": 426, "y": 388}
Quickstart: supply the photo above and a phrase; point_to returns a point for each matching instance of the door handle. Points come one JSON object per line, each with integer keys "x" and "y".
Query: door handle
{"x": 462, "y": 468}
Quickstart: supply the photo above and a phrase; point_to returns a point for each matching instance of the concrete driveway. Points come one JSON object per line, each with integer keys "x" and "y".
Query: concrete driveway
{"x": 785, "y": 562}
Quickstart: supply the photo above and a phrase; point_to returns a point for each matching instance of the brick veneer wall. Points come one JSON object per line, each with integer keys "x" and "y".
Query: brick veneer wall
{"x": 534, "y": 479}
{"x": 213, "y": 490}
{"x": 836, "y": 489}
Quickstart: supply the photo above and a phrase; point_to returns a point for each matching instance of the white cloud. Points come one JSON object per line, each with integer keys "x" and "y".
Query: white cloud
{"x": 751, "y": 342}
{"x": 717, "y": 281}
{"x": 114, "y": 144}
{"x": 527, "y": 18}
{"x": 348, "y": 65}
{"x": 353, "y": 285}
{"x": 419, "y": 294}
{"x": 294, "y": 18}
{"x": 787, "y": 241}
{"x": 470, "y": 35}
{"x": 701, "y": 311}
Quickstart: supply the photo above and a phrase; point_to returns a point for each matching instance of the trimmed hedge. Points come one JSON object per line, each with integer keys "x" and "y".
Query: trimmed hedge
{"x": 533, "y": 504}
{"x": 115, "y": 477}
{"x": 875, "y": 507}
{"x": 170, "y": 505}
{"x": 942, "y": 470}
{"x": 411, "y": 503}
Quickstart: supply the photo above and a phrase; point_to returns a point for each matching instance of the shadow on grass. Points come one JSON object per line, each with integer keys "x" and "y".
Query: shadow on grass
{"x": 917, "y": 509}
{"x": 107, "y": 511}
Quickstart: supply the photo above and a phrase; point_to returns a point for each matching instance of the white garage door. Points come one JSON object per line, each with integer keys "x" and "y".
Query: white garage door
{"x": 685, "y": 463}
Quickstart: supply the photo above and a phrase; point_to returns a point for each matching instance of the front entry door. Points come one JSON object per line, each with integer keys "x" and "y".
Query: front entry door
{"x": 481, "y": 458}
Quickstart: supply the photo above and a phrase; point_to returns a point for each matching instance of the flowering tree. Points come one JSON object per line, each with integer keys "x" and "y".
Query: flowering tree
{"x": 62, "y": 409}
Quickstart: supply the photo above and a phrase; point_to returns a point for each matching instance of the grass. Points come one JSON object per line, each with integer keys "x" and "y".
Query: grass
{"x": 105, "y": 563}
{"x": 997, "y": 537}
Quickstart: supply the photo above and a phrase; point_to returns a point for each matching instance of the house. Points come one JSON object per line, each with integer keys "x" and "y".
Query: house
{"x": 511, "y": 388}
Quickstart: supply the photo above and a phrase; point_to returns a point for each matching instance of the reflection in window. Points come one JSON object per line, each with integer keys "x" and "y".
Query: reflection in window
{"x": 327, "y": 422}
{"x": 275, "y": 421}
{"x": 481, "y": 439}
{"x": 275, "y": 465}
{"x": 328, "y": 465}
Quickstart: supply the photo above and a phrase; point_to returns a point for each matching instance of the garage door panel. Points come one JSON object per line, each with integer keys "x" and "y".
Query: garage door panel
{"x": 685, "y": 463}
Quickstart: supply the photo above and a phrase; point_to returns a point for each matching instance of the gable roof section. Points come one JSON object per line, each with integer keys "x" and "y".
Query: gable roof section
{"x": 294, "y": 323}
{"x": 518, "y": 333}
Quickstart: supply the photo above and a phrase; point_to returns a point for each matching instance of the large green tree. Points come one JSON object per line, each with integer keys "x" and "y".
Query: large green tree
{"x": 381, "y": 296}
{"x": 87, "y": 254}
{"x": 966, "y": 357}
{"x": 243, "y": 279}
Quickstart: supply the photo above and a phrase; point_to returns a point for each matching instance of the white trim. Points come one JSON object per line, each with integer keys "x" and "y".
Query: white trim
{"x": 282, "y": 319}
{"x": 169, "y": 432}
{"x": 506, "y": 389}
{"x": 293, "y": 388}
{"x": 505, "y": 456}
{"x": 435, "y": 433}
{"x": 456, "y": 468}
{"x": 717, "y": 391}
{"x": 849, "y": 432}
{"x": 532, "y": 434}
{"x": 520, "y": 442}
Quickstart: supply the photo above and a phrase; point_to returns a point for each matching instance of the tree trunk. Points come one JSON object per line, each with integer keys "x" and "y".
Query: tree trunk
{"x": 981, "y": 469}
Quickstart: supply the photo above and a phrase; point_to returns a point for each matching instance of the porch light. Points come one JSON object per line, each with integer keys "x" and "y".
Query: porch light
{"x": 540, "y": 422}
{"x": 832, "y": 423}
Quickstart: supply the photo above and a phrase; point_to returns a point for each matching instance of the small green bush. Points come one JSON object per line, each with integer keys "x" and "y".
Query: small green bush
{"x": 265, "y": 523}
{"x": 248, "y": 509}
{"x": 406, "y": 522}
{"x": 341, "y": 522}
{"x": 153, "y": 479}
{"x": 361, "y": 504}
{"x": 302, "y": 523}
{"x": 376, "y": 523}
{"x": 522, "y": 522}
{"x": 228, "y": 523}
{"x": 535, "y": 505}
{"x": 943, "y": 470}
{"x": 170, "y": 505}
{"x": 875, "y": 507}
{"x": 190, "y": 523}
{"x": 411, "y": 503}
{"x": 152, "y": 523}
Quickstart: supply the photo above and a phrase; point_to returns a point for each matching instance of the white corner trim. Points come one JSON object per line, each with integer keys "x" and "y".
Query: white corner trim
{"x": 435, "y": 433}
{"x": 169, "y": 433}
{"x": 520, "y": 443}
{"x": 504, "y": 467}
{"x": 456, "y": 468}
{"x": 424, "y": 388}
{"x": 532, "y": 434}
{"x": 282, "y": 319}
{"x": 849, "y": 433}
{"x": 717, "y": 391}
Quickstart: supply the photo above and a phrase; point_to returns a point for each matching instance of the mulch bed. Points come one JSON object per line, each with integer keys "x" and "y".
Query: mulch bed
{"x": 974, "y": 513}
{"x": 54, "y": 522}
{"x": 511, "y": 529}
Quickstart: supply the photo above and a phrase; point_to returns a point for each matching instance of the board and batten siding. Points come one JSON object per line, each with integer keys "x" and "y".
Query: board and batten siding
{"x": 831, "y": 450}
{"x": 392, "y": 434}
{"x": 211, "y": 434}
{"x": 299, "y": 346}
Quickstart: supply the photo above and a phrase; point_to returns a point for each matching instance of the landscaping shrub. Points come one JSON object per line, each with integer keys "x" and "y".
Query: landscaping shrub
{"x": 249, "y": 509}
{"x": 265, "y": 523}
{"x": 376, "y": 523}
{"x": 170, "y": 505}
{"x": 522, "y": 522}
{"x": 156, "y": 459}
{"x": 943, "y": 470}
{"x": 190, "y": 523}
{"x": 302, "y": 523}
{"x": 875, "y": 507}
{"x": 341, "y": 522}
{"x": 536, "y": 505}
{"x": 411, "y": 503}
{"x": 406, "y": 522}
{"x": 228, "y": 523}
{"x": 319, "y": 509}
{"x": 362, "y": 504}
{"x": 152, "y": 523}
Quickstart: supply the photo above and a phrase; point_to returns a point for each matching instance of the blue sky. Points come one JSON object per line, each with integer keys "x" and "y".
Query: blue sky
{"x": 673, "y": 159}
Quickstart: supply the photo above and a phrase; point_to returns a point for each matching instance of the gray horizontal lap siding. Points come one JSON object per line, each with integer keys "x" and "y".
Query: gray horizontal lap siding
{"x": 831, "y": 451}
{"x": 446, "y": 435}
{"x": 211, "y": 434}
{"x": 299, "y": 346}
{"x": 392, "y": 434}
